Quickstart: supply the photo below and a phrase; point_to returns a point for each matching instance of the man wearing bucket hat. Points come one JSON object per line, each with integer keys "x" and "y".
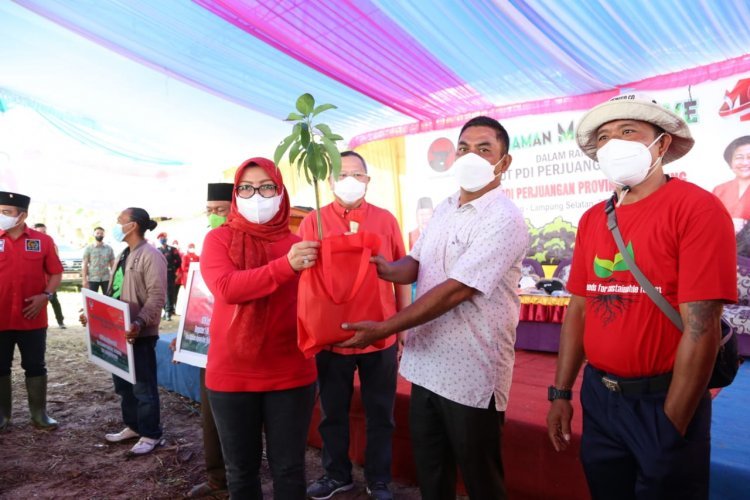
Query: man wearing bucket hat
{"x": 30, "y": 272}
{"x": 646, "y": 407}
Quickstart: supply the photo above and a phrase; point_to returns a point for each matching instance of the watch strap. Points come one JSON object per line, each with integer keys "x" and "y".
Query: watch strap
{"x": 554, "y": 393}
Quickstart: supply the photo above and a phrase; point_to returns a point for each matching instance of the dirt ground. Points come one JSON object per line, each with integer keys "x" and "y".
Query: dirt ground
{"x": 74, "y": 461}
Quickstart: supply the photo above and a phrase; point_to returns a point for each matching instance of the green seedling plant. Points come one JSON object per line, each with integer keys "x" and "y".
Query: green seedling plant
{"x": 311, "y": 147}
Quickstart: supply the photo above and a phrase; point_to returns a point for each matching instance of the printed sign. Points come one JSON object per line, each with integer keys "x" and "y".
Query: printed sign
{"x": 108, "y": 320}
{"x": 193, "y": 333}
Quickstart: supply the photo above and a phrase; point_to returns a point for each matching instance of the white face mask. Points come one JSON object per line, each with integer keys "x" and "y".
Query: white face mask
{"x": 7, "y": 222}
{"x": 474, "y": 172}
{"x": 349, "y": 190}
{"x": 257, "y": 209}
{"x": 626, "y": 163}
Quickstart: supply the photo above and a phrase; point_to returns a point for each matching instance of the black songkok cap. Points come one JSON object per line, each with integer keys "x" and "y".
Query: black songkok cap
{"x": 14, "y": 200}
{"x": 220, "y": 191}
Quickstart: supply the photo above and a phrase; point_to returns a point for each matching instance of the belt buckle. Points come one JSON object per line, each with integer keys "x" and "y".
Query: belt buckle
{"x": 611, "y": 384}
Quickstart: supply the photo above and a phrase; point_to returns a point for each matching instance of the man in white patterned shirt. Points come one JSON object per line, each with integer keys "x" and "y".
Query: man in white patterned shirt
{"x": 459, "y": 353}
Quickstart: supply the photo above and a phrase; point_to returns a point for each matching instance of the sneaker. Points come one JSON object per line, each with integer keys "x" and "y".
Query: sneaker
{"x": 123, "y": 435}
{"x": 379, "y": 491}
{"x": 62, "y": 326}
{"x": 144, "y": 445}
{"x": 206, "y": 489}
{"x": 326, "y": 487}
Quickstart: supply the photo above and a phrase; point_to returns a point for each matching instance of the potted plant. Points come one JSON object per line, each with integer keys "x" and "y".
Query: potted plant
{"x": 311, "y": 147}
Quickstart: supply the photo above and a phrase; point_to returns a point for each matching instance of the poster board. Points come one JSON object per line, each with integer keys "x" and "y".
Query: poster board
{"x": 107, "y": 321}
{"x": 193, "y": 332}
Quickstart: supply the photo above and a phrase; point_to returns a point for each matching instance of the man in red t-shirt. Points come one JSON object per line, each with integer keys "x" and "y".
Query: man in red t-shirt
{"x": 377, "y": 368}
{"x": 646, "y": 407}
{"x": 30, "y": 272}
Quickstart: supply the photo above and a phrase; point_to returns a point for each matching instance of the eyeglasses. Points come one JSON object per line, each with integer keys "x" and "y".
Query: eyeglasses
{"x": 361, "y": 177}
{"x": 265, "y": 191}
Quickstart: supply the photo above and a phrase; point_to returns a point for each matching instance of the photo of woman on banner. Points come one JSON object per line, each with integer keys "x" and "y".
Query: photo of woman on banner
{"x": 257, "y": 380}
{"x": 734, "y": 194}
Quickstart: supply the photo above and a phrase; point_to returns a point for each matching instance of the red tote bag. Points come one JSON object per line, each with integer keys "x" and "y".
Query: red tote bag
{"x": 342, "y": 287}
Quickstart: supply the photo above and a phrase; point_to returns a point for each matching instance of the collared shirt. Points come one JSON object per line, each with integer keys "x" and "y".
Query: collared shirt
{"x": 467, "y": 354}
{"x": 99, "y": 259}
{"x": 25, "y": 264}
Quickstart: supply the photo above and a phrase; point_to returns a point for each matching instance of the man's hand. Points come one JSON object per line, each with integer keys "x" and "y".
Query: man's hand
{"x": 132, "y": 334}
{"x": 385, "y": 268}
{"x": 365, "y": 333}
{"x": 34, "y": 305}
{"x": 558, "y": 423}
{"x": 82, "y": 317}
{"x": 85, "y": 282}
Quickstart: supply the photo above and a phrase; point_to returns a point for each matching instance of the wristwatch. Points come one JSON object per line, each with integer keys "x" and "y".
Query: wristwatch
{"x": 554, "y": 393}
{"x": 49, "y": 295}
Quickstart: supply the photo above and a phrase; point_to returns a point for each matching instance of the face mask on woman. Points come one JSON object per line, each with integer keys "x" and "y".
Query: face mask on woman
{"x": 7, "y": 222}
{"x": 257, "y": 209}
{"x": 626, "y": 163}
{"x": 473, "y": 172}
{"x": 349, "y": 190}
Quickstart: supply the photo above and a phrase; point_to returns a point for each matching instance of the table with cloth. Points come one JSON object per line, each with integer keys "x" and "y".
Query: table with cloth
{"x": 539, "y": 322}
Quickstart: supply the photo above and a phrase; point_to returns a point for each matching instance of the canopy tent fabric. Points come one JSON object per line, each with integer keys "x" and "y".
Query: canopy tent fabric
{"x": 390, "y": 63}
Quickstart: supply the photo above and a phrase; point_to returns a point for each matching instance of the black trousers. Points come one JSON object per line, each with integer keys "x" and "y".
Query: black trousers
{"x": 215, "y": 469}
{"x": 445, "y": 434}
{"x": 284, "y": 416}
{"x": 55, "y": 303}
{"x": 32, "y": 345}
{"x": 630, "y": 449}
{"x": 99, "y": 285}
{"x": 171, "y": 293}
{"x": 377, "y": 376}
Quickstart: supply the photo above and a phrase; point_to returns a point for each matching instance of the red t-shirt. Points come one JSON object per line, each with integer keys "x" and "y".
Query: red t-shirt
{"x": 372, "y": 219}
{"x": 683, "y": 241}
{"x": 25, "y": 264}
{"x": 280, "y": 364}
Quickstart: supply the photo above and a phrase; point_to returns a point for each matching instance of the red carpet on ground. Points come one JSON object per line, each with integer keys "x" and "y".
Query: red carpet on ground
{"x": 533, "y": 470}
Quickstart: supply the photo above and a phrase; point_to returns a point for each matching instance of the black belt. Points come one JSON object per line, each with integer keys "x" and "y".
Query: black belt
{"x": 634, "y": 386}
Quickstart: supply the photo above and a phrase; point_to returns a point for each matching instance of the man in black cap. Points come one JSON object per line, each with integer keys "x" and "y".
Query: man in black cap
{"x": 218, "y": 203}
{"x": 30, "y": 272}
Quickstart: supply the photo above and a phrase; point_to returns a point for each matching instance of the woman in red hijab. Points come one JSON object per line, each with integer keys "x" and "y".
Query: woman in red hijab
{"x": 257, "y": 379}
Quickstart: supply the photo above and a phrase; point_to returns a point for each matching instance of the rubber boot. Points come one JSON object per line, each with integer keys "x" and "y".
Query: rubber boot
{"x": 37, "y": 389}
{"x": 6, "y": 402}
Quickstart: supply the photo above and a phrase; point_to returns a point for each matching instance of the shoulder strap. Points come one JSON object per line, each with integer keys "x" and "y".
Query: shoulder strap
{"x": 650, "y": 290}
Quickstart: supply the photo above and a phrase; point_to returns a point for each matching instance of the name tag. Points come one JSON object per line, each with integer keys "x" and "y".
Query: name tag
{"x": 33, "y": 245}
{"x": 2, "y": 245}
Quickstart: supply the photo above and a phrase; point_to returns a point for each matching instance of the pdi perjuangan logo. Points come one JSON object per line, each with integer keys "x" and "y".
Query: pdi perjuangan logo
{"x": 737, "y": 101}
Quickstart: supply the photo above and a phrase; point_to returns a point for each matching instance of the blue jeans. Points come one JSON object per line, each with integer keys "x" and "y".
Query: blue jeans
{"x": 32, "y": 345}
{"x": 140, "y": 401}
{"x": 630, "y": 449}
{"x": 284, "y": 416}
{"x": 377, "y": 377}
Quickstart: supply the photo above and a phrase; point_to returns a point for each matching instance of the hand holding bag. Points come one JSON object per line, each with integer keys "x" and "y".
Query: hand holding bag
{"x": 728, "y": 359}
{"x": 343, "y": 287}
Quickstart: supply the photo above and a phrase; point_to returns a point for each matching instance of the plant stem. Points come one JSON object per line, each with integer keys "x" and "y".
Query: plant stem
{"x": 317, "y": 209}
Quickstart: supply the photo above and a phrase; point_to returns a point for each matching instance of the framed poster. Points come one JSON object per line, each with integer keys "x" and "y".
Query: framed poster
{"x": 108, "y": 320}
{"x": 192, "y": 334}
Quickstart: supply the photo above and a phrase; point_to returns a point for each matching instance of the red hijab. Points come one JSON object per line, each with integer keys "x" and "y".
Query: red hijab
{"x": 247, "y": 250}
